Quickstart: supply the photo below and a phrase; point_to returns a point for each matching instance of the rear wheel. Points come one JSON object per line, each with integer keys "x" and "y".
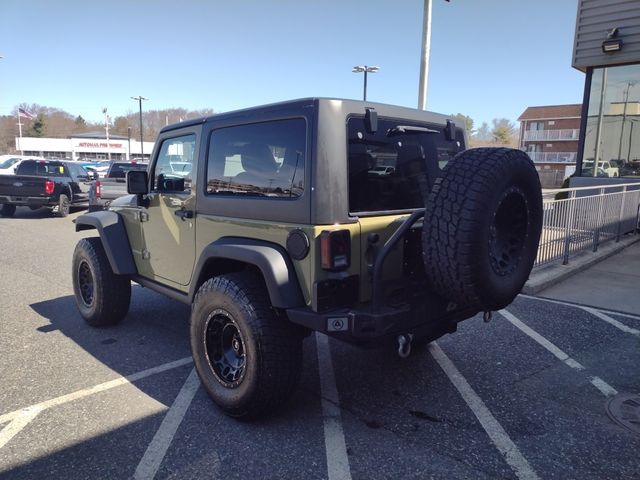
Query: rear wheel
{"x": 249, "y": 359}
{"x": 63, "y": 205}
{"x": 102, "y": 296}
{"x": 482, "y": 227}
{"x": 7, "y": 210}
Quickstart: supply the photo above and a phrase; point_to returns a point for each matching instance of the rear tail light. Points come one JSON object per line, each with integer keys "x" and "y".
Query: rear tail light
{"x": 48, "y": 187}
{"x": 98, "y": 189}
{"x": 335, "y": 249}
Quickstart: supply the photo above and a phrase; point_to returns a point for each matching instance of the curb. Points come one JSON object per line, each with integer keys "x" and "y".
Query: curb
{"x": 548, "y": 275}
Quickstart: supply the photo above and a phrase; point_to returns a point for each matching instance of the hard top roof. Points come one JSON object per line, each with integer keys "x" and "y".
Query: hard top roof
{"x": 355, "y": 105}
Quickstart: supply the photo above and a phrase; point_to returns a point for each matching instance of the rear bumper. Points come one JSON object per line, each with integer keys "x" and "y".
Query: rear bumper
{"x": 28, "y": 201}
{"x": 363, "y": 326}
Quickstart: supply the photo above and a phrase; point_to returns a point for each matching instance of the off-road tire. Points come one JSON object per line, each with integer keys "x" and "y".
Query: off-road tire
{"x": 102, "y": 296}
{"x": 239, "y": 304}
{"x": 64, "y": 205}
{"x": 7, "y": 210}
{"x": 482, "y": 227}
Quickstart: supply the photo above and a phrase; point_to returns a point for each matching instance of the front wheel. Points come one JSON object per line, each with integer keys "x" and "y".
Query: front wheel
{"x": 102, "y": 296}
{"x": 248, "y": 359}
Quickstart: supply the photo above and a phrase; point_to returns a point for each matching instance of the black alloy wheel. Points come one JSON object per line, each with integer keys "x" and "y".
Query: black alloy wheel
{"x": 85, "y": 283}
{"x": 225, "y": 348}
{"x": 508, "y": 232}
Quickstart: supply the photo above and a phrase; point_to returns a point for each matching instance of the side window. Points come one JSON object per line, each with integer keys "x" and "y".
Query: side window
{"x": 172, "y": 171}
{"x": 76, "y": 171}
{"x": 261, "y": 159}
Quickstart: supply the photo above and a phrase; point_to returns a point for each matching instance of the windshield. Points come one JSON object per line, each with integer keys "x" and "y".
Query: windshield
{"x": 394, "y": 168}
{"x": 8, "y": 162}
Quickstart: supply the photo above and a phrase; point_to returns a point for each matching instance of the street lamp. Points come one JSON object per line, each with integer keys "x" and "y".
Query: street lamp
{"x": 365, "y": 69}
{"x": 140, "y": 98}
{"x": 106, "y": 127}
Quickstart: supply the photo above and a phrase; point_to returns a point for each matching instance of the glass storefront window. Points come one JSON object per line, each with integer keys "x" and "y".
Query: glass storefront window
{"x": 612, "y": 134}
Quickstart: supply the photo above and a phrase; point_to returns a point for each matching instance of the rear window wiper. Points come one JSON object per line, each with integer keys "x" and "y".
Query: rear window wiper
{"x": 408, "y": 129}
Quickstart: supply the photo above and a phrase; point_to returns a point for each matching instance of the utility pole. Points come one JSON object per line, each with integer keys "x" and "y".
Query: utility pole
{"x": 106, "y": 128}
{"x": 140, "y": 98}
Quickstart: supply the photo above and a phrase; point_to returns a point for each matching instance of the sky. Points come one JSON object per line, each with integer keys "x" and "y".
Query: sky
{"x": 489, "y": 58}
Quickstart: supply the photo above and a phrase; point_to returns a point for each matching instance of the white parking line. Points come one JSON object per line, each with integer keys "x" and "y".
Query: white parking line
{"x": 157, "y": 449}
{"x": 577, "y": 305}
{"x": 496, "y": 433}
{"x": 17, "y": 424}
{"x": 606, "y": 389}
{"x": 97, "y": 388}
{"x": 612, "y": 321}
{"x": 335, "y": 445}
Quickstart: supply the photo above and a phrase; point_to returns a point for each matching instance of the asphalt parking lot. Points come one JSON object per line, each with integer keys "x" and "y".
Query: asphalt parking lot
{"x": 522, "y": 396}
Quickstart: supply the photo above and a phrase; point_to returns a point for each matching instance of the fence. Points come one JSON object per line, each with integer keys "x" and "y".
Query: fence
{"x": 577, "y": 219}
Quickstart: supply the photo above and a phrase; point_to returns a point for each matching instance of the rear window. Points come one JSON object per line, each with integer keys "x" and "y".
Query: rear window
{"x": 119, "y": 170}
{"x": 42, "y": 168}
{"x": 393, "y": 168}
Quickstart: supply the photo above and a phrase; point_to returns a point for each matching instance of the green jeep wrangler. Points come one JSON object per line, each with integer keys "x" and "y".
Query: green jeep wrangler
{"x": 276, "y": 221}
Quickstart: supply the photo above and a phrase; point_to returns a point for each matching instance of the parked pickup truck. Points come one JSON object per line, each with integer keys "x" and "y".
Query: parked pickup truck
{"x": 55, "y": 184}
{"x": 114, "y": 184}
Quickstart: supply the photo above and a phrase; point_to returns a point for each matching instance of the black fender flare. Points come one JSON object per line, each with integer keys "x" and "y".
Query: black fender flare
{"x": 114, "y": 239}
{"x": 271, "y": 259}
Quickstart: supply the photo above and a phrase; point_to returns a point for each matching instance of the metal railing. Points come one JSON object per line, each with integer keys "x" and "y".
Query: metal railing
{"x": 582, "y": 218}
{"x": 553, "y": 157}
{"x": 560, "y": 134}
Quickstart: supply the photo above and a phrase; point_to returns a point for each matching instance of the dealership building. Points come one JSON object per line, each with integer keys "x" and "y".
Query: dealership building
{"x": 89, "y": 146}
{"x": 607, "y": 50}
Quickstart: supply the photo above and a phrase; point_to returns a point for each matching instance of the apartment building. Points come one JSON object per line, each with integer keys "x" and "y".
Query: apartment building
{"x": 550, "y": 135}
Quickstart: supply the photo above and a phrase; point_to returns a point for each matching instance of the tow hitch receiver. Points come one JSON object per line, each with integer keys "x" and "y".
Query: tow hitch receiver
{"x": 404, "y": 345}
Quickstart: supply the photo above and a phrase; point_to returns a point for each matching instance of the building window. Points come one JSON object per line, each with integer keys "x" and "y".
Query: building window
{"x": 612, "y": 132}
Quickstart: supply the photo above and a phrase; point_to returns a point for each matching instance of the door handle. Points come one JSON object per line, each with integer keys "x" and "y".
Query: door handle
{"x": 184, "y": 214}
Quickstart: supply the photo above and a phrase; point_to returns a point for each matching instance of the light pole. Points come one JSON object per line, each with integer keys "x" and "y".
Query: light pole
{"x": 365, "y": 69}
{"x": 140, "y": 98}
{"x": 424, "y": 58}
{"x": 106, "y": 128}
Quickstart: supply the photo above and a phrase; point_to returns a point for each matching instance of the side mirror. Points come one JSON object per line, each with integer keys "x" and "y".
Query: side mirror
{"x": 137, "y": 182}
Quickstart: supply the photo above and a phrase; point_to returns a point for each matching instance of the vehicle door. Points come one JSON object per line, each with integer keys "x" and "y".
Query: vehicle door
{"x": 168, "y": 224}
{"x": 80, "y": 183}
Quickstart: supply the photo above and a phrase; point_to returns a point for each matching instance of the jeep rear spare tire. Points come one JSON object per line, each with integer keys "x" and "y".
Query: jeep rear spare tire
{"x": 249, "y": 360}
{"x": 482, "y": 227}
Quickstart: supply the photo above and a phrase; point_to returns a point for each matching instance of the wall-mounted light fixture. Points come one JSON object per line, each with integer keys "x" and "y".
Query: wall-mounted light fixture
{"x": 612, "y": 43}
